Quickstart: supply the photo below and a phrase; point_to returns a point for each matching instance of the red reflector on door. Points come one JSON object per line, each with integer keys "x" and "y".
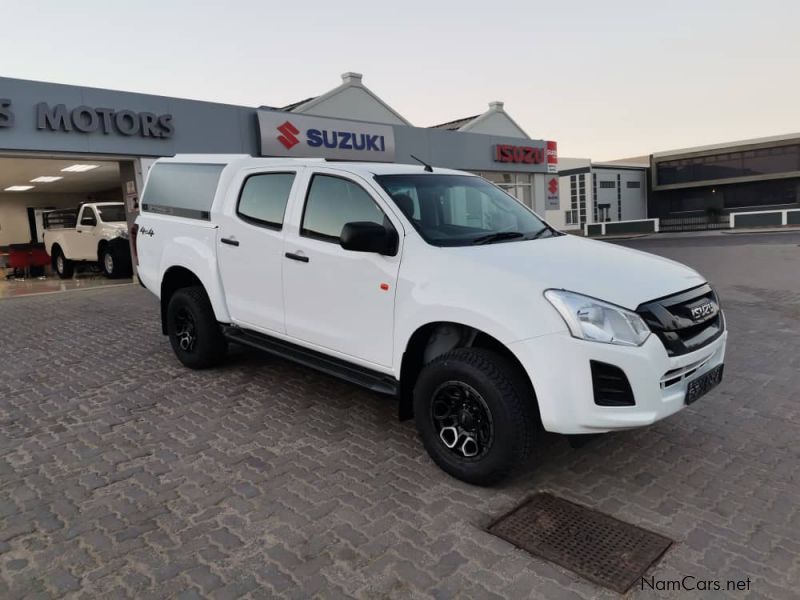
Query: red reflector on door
{"x": 385, "y": 287}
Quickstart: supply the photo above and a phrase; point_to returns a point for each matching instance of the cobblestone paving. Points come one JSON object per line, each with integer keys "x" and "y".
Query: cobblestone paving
{"x": 125, "y": 475}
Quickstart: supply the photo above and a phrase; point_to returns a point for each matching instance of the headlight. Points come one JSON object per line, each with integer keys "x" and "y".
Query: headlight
{"x": 598, "y": 321}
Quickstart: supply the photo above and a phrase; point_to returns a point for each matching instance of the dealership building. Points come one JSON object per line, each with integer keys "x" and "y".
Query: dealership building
{"x": 594, "y": 192}
{"x": 61, "y": 145}
{"x": 748, "y": 175}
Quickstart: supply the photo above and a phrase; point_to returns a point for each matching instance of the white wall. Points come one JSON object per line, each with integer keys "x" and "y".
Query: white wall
{"x": 633, "y": 200}
{"x": 353, "y": 103}
{"x": 14, "y": 228}
{"x": 497, "y": 123}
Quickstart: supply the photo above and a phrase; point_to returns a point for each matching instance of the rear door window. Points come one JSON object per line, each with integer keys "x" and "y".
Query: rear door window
{"x": 263, "y": 199}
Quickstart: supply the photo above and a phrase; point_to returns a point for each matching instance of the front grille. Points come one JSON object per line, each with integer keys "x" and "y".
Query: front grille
{"x": 610, "y": 385}
{"x": 686, "y": 321}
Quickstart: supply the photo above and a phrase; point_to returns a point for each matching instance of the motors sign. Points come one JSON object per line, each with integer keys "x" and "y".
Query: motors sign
{"x": 88, "y": 119}
{"x": 287, "y": 134}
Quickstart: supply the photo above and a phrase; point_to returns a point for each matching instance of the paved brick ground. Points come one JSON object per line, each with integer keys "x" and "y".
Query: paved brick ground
{"x": 125, "y": 475}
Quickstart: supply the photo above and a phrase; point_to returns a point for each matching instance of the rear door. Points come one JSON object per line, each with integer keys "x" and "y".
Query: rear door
{"x": 250, "y": 247}
{"x": 338, "y": 299}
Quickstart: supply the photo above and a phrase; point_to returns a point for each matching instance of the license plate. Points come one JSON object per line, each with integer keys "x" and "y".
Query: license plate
{"x": 703, "y": 384}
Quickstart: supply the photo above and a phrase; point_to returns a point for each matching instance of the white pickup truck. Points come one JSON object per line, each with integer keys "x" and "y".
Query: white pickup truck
{"x": 93, "y": 232}
{"x": 432, "y": 285}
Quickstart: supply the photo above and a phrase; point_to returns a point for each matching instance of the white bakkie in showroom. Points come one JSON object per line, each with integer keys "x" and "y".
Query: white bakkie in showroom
{"x": 93, "y": 232}
{"x": 432, "y": 285}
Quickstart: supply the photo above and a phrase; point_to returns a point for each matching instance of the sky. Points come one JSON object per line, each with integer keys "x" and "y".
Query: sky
{"x": 607, "y": 80}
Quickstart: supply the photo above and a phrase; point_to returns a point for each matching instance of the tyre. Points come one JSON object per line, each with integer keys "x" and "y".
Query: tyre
{"x": 63, "y": 267}
{"x": 474, "y": 415}
{"x": 114, "y": 258}
{"x": 109, "y": 263}
{"x": 193, "y": 330}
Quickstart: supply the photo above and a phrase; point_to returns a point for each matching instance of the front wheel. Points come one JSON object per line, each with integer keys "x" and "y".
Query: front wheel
{"x": 473, "y": 415}
{"x": 114, "y": 260}
{"x": 193, "y": 330}
{"x": 108, "y": 263}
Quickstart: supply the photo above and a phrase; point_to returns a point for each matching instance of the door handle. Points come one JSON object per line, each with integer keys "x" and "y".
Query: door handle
{"x": 229, "y": 241}
{"x": 299, "y": 257}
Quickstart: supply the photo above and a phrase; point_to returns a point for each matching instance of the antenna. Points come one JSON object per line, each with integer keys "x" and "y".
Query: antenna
{"x": 428, "y": 168}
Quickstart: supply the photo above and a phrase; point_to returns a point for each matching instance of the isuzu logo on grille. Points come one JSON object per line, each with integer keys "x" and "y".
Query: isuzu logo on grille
{"x": 702, "y": 311}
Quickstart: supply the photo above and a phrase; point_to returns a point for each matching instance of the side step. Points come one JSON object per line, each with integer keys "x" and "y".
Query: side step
{"x": 372, "y": 380}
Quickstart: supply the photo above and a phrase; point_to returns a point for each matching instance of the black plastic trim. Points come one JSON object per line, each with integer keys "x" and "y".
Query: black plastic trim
{"x": 174, "y": 211}
{"x": 610, "y": 385}
{"x": 669, "y": 318}
{"x": 372, "y": 380}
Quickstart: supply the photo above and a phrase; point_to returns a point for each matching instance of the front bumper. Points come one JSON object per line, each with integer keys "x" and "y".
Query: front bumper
{"x": 558, "y": 366}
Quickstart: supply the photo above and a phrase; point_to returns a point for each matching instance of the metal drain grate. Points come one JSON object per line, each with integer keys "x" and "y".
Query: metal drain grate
{"x": 594, "y": 545}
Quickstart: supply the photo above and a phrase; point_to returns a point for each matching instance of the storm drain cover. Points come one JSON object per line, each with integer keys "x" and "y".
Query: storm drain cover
{"x": 594, "y": 545}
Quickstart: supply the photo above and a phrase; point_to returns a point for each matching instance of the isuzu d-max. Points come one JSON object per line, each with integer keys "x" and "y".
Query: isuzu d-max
{"x": 431, "y": 285}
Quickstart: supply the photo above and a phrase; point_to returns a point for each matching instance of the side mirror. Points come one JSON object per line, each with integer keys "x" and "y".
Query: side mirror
{"x": 89, "y": 221}
{"x": 364, "y": 236}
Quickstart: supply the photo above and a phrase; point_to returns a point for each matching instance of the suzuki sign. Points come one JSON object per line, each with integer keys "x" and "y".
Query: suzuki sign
{"x": 288, "y": 134}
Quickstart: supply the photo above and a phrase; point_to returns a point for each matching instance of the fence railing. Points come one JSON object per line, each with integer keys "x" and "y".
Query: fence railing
{"x": 694, "y": 223}
{"x": 759, "y": 218}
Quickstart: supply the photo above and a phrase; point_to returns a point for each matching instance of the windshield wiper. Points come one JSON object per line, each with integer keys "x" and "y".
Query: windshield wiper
{"x": 498, "y": 236}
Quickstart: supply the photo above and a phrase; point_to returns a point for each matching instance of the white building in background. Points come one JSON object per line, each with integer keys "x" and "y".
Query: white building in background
{"x": 591, "y": 192}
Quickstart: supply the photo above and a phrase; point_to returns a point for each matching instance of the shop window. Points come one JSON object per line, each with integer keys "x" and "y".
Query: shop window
{"x": 571, "y": 217}
{"x": 725, "y": 165}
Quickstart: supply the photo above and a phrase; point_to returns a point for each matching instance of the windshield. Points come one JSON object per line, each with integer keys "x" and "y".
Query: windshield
{"x": 111, "y": 213}
{"x": 461, "y": 210}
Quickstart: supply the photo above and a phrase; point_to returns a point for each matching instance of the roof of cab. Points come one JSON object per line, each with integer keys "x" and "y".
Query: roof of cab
{"x": 245, "y": 161}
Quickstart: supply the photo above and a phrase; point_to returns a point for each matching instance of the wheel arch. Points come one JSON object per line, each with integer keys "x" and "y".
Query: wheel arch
{"x": 55, "y": 250}
{"x": 175, "y": 278}
{"x": 435, "y": 338}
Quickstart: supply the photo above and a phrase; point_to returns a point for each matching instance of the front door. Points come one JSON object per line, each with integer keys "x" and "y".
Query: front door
{"x": 86, "y": 242}
{"x": 339, "y": 299}
{"x": 250, "y": 248}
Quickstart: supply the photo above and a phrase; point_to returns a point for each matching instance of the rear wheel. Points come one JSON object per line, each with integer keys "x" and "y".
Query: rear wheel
{"x": 64, "y": 267}
{"x": 473, "y": 415}
{"x": 194, "y": 333}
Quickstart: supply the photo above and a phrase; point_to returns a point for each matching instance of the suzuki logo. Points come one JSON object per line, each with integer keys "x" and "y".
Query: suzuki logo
{"x": 553, "y": 186}
{"x": 289, "y": 137}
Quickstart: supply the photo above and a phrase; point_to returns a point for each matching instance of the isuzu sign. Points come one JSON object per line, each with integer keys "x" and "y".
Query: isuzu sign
{"x": 287, "y": 134}
{"x": 552, "y": 157}
{"x": 509, "y": 153}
